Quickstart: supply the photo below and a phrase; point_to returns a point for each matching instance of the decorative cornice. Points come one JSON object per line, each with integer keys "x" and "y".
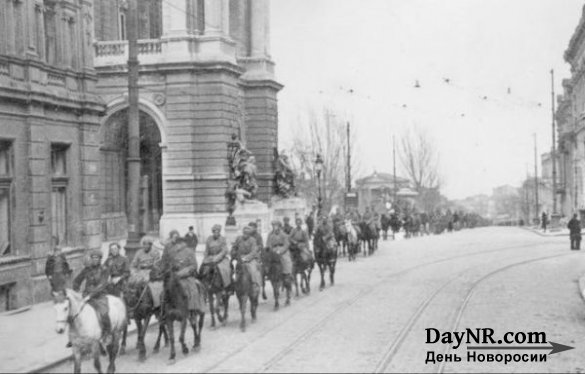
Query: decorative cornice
{"x": 576, "y": 40}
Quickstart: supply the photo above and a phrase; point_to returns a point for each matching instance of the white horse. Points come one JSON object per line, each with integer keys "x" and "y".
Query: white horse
{"x": 84, "y": 328}
{"x": 352, "y": 240}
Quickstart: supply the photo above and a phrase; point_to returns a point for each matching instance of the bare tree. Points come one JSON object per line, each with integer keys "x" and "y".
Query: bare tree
{"x": 420, "y": 161}
{"x": 322, "y": 132}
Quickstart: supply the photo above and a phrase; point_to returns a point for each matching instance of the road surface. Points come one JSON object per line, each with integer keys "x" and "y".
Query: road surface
{"x": 374, "y": 318}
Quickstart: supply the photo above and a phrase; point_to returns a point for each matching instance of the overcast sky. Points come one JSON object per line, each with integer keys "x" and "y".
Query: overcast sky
{"x": 497, "y": 55}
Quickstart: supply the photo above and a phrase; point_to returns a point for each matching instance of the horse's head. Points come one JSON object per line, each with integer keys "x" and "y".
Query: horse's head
{"x": 62, "y": 306}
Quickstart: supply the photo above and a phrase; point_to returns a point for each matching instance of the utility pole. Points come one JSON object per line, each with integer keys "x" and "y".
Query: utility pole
{"x": 348, "y": 182}
{"x": 394, "y": 168}
{"x": 535, "y": 177}
{"x": 553, "y": 154}
{"x": 133, "y": 242}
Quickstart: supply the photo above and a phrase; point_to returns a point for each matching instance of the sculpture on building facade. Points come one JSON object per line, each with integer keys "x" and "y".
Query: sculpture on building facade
{"x": 284, "y": 176}
{"x": 242, "y": 184}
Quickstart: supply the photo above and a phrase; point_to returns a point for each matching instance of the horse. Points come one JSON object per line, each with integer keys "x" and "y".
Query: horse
{"x": 326, "y": 257}
{"x": 211, "y": 278}
{"x": 272, "y": 269}
{"x": 247, "y": 289}
{"x": 175, "y": 307}
{"x": 385, "y": 223}
{"x": 303, "y": 267}
{"x": 85, "y": 330}
{"x": 352, "y": 240}
{"x": 369, "y": 237}
{"x": 340, "y": 236}
{"x": 140, "y": 305}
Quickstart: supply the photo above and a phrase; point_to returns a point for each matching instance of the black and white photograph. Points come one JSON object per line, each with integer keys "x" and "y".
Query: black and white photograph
{"x": 292, "y": 186}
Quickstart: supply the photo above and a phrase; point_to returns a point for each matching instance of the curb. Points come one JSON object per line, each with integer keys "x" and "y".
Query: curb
{"x": 45, "y": 367}
{"x": 538, "y": 232}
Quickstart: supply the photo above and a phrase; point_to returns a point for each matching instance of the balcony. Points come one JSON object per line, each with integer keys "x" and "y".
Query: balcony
{"x": 115, "y": 52}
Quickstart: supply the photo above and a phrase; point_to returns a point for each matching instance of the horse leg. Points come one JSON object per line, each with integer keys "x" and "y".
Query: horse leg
{"x": 123, "y": 346}
{"x": 276, "y": 291}
{"x": 199, "y": 327}
{"x": 182, "y": 335}
{"x": 211, "y": 298}
{"x": 226, "y": 301}
{"x": 322, "y": 270}
{"x": 263, "y": 288}
{"x": 171, "y": 333}
{"x": 332, "y": 273}
{"x": 112, "y": 351}
{"x": 253, "y": 307}
{"x": 77, "y": 359}
{"x": 288, "y": 286}
{"x": 141, "y": 335}
{"x": 243, "y": 301}
{"x": 96, "y": 359}
{"x": 160, "y": 333}
{"x": 297, "y": 283}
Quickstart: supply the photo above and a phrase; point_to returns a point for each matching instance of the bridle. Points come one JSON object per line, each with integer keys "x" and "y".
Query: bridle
{"x": 70, "y": 318}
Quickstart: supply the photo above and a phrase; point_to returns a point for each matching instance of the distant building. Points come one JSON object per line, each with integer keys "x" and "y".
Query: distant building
{"x": 377, "y": 189}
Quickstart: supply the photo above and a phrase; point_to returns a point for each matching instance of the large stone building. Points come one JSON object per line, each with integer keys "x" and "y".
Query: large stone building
{"x": 49, "y": 122}
{"x": 376, "y": 190}
{"x": 205, "y": 74}
{"x": 570, "y": 117}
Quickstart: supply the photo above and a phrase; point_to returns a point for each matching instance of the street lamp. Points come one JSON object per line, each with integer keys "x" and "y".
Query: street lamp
{"x": 318, "y": 169}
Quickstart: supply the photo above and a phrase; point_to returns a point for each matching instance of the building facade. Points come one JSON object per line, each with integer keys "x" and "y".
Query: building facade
{"x": 570, "y": 118}
{"x": 375, "y": 190}
{"x": 205, "y": 74}
{"x": 49, "y": 122}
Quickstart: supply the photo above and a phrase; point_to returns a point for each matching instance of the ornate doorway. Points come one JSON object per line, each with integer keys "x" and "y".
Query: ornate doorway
{"x": 114, "y": 175}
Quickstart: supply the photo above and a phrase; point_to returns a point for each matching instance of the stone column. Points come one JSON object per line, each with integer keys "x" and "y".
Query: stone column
{"x": 225, "y": 12}
{"x": 214, "y": 17}
{"x": 258, "y": 24}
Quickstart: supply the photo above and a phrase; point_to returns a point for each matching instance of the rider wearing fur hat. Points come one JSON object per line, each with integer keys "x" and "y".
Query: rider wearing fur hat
{"x": 96, "y": 280}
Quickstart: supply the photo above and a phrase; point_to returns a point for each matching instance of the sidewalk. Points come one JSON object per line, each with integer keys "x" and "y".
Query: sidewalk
{"x": 554, "y": 232}
{"x": 29, "y": 341}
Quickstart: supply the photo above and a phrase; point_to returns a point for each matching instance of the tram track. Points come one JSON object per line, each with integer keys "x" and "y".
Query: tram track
{"x": 316, "y": 327}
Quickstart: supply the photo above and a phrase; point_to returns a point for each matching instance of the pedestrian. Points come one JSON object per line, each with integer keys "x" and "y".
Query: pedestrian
{"x": 544, "y": 221}
{"x": 57, "y": 268}
{"x": 574, "y": 227}
{"x": 191, "y": 239}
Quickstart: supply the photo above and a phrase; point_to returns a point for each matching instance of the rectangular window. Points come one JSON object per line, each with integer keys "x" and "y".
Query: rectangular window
{"x": 122, "y": 27}
{"x": 59, "y": 183}
{"x": 5, "y": 197}
{"x": 50, "y": 35}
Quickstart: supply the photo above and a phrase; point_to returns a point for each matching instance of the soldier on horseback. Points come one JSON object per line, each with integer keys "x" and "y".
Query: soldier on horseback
{"x": 96, "y": 281}
{"x": 245, "y": 250}
{"x": 216, "y": 255}
{"x": 278, "y": 243}
{"x": 180, "y": 259}
{"x": 142, "y": 266}
{"x": 118, "y": 268}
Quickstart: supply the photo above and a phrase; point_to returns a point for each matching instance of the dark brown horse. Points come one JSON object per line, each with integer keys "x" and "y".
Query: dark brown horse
{"x": 140, "y": 306}
{"x": 272, "y": 269}
{"x": 247, "y": 277}
{"x": 370, "y": 237}
{"x": 325, "y": 256}
{"x": 303, "y": 267}
{"x": 211, "y": 278}
{"x": 176, "y": 308}
{"x": 340, "y": 236}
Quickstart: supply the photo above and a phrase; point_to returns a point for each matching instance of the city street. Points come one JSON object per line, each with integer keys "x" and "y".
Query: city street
{"x": 374, "y": 318}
